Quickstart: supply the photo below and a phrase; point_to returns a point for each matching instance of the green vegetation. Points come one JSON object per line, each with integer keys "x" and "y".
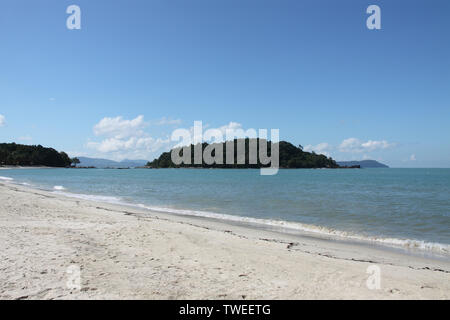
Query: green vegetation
{"x": 290, "y": 157}
{"x": 21, "y": 155}
{"x": 75, "y": 161}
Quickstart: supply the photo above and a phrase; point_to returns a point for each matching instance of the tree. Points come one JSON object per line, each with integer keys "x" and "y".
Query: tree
{"x": 75, "y": 161}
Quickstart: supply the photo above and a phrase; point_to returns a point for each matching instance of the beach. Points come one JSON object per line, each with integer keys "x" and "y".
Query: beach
{"x": 128, "y": 253}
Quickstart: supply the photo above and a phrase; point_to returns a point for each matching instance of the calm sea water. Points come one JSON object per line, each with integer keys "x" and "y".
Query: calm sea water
{"x": 404, "y": 207}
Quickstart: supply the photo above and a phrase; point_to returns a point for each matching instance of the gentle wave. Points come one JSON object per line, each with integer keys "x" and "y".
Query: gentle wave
{"x": 107, "y": 199}
{"x": 405, "y": 243}
{"x": 59, "y": 188}
{"x": 296, "y": 226}
{"x": 8, "y": 179}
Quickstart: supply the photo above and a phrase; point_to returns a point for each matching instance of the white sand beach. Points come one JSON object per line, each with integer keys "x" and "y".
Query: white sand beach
{"x": 128, "y": 253}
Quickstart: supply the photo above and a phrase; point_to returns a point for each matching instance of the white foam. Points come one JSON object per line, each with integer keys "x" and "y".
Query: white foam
{"x": 6, "y": 178}
{"x": 296, "y": 226}
{"x": 405, "y": 243}
{"x": 108, "y": 199}
{"x": 59, "y": 188}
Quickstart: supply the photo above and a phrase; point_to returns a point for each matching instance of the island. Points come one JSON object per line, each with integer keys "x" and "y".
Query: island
{"x": 291, "y": 157}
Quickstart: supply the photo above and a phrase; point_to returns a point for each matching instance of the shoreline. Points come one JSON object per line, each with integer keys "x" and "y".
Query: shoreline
{"x": 408, "y": 246}
{"x": 127, "y": 253}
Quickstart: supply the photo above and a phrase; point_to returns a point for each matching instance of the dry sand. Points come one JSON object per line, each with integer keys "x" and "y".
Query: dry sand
{"x": 128, "y": 253}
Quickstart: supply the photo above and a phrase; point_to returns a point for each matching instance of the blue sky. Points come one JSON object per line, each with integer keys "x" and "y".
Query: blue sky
{"x": 137, "y": 70}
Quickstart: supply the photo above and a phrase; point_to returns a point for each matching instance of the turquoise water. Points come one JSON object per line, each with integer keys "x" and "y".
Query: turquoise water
{"x": 400, "y": 207}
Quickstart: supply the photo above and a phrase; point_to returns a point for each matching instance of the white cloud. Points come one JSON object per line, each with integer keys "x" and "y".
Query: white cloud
{"x": 412, "y": 157}
{"x": 374, "y": 145}
{"x": 120, "y": 128}
{"x": 145, "y": 144}
{"x": 2, "y": 120}
{"x": 234, "y": 129}
{"x": 322, "y": 148}
{"x": 354, "y": 145}
{"x": 125, "y": 139}
{"x": 233, "y": 126}
{"x": 206, "y": 133}
{"x": 350, "y": 145}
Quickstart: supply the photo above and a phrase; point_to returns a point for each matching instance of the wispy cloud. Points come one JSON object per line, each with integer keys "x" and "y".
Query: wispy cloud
{"x": 350, "y": 145}
{"x": 321, "y": 148}
{"x": 2, "y": 120}
{"x": 354, "y": 145}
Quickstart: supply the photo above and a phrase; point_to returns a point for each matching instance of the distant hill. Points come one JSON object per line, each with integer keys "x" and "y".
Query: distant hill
{"x": 363, "y": 164}
{"x": 106, "y": 163}
{"x": 290, "y": 157}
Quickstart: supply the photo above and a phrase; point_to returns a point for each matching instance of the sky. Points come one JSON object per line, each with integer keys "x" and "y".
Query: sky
{"x": 137, "y": 70}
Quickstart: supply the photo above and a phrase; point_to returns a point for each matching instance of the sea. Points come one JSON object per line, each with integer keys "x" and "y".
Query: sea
{"x": 402, "y": 208}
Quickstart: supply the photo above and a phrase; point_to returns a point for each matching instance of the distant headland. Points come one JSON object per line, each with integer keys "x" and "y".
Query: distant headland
{"x": 362, "y": 164}
{"x": 106, "y": 163}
